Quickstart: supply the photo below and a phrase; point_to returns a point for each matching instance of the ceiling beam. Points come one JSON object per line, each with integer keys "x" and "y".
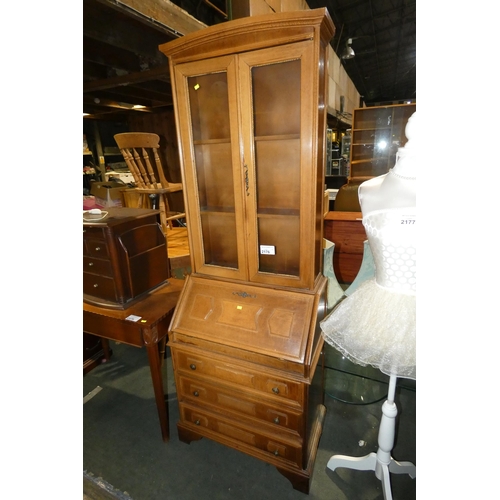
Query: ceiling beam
{"x": 134, "y": 95}
{"x": 163, "y": 13}
{"x": 162, "y": 72}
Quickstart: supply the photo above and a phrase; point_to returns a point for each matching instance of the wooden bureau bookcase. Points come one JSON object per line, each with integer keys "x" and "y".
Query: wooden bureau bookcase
{"x": 249, "y": 98}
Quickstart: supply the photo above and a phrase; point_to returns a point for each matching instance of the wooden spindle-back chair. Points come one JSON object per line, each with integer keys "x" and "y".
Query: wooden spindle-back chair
{"x": 140, "y": 151}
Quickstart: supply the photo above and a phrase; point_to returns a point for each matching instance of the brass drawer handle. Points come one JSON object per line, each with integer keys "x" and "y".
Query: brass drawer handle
{"x": 196, "y": 393}
{"x": 277, "y": 453}
{"x": 192, "y": 366}
{"x": 95, "y": 285}
{"x": 276, "y": 390}
{"x": 91, "y": 264}
{"x": 277, "y": 420}
{"x": 197, "y": 422}
{"x": 97, "y": 249}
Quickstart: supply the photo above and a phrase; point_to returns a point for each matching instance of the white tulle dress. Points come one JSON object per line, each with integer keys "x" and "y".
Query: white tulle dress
{"x": 376, "y": 325}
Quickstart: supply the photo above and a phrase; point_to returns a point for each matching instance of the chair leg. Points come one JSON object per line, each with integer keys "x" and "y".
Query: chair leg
{"x": 166, "y": 207}
{"x": 163, "y": 213}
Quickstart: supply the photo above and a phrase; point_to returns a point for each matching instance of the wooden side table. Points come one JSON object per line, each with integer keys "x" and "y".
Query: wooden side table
{"x": 145, "y": 323}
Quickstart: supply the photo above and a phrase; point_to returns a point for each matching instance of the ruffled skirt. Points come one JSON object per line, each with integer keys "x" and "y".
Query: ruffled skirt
{"x": 375, "y": 326}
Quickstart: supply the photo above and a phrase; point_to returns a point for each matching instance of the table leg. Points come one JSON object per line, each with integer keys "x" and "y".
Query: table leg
{"x": 162, "y": 347}
{"x": 106, "y": 349}
{"x": 156, "y": 376}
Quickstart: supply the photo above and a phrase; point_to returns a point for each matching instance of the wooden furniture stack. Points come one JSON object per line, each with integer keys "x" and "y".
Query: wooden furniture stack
{"x": 249, "y": 98}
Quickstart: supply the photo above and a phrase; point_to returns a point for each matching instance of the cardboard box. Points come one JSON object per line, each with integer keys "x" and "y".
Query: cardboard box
{"x": 126, "y": 177}
{"x": 107, "y": 194}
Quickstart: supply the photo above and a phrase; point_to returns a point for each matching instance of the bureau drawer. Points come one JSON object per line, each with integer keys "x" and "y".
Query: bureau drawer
{"x": 93, "y": 232}
{"x": 272, "y": 447}
{"x": 95, "y": 248}
{"x": 220, "y": 371}
{"x": 97, "y": 266}
{"x": 99, "y": 286}
{"x": 273, "y": 416}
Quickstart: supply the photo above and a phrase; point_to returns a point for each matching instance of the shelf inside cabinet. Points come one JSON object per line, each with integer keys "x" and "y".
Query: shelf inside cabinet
{"x": 273, "y": 212}
{"x": 211, "y": 141}
{"x": 217, "y": 210}
{"x": 282, "y": 137}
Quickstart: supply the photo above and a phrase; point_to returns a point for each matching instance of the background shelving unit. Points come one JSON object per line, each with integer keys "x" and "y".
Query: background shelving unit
{"x": 377, "y": 134}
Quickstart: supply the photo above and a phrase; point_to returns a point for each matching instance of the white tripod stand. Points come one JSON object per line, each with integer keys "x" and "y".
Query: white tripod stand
{"x": 381, "y": 462}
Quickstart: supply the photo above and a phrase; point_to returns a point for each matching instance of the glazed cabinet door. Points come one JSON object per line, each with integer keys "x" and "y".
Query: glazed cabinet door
{"x": 279, "y": 103}
{"x": 208, "y": 120}
{"x": 249, "y": 132}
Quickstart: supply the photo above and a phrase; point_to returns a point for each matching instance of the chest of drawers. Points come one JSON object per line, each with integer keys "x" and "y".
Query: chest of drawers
{"x": 248, "y": 369}
{"x": 346, "y": 230}
{"x": 124, "y": 256}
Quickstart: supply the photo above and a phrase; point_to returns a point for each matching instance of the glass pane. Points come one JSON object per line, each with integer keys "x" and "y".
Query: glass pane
{"x": 377, "y": 135}
{"x": 282, "y": 235}
{"x": 276, "y": 98}
{"x": 209, "y": 105}
{"x": 278, "y": 175}
{"x": 219, "y": 239}
{"x": 208, "y": 100}
{"x": 214, "y": 173}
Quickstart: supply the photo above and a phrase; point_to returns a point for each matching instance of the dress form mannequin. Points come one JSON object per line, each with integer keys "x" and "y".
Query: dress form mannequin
{"x": 376, "y": 324}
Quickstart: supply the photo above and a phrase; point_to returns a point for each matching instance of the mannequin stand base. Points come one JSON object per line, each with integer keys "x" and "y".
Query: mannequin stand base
{"x": 382, "y": 470}
{"x": 381, "y": 462}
